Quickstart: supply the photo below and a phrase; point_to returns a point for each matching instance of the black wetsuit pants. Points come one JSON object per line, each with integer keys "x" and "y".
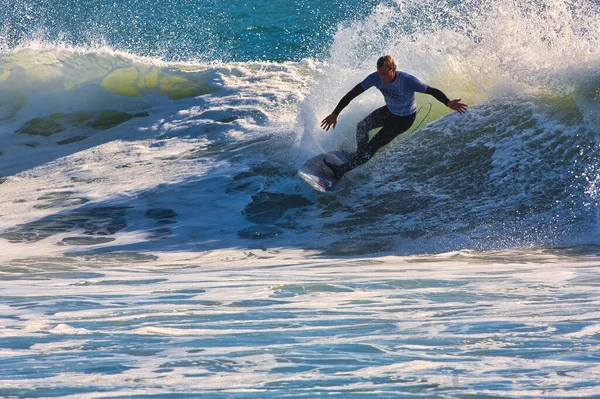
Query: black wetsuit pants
{"x": 391, "y": 127}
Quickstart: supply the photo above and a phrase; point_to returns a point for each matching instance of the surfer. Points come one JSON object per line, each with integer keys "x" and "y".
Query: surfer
{"x": 396, "y": 117}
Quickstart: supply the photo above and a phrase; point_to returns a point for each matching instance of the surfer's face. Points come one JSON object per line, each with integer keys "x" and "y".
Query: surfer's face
{"x": 386, "y": 75}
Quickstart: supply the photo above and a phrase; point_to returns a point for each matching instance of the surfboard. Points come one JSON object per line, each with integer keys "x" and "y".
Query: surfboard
{"x": 319, "y": 176}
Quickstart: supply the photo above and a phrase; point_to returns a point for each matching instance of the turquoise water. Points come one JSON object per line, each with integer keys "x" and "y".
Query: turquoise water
{"x": 202, "y": 30}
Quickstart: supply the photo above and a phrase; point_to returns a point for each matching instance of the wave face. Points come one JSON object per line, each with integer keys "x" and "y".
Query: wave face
{"x": 110, "y": 142}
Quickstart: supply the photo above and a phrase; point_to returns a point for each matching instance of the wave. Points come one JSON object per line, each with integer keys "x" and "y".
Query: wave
{"x": 58, "y": 99}
{"x": 99, "y": 142}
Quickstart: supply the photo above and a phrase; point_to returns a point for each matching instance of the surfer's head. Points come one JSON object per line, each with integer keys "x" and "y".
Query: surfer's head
{"x": 386, "y": 69}
{"x": 386, "y": 61}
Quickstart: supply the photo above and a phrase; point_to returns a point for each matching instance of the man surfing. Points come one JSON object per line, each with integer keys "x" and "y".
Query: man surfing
{"x": 396, "y": 117}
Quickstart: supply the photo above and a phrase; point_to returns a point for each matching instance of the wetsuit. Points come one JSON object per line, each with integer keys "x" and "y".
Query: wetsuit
{"x": 396, "y": 117}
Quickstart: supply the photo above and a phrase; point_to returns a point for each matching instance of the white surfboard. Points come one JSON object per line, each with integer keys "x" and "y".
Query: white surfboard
{"x": 319, "y": 176}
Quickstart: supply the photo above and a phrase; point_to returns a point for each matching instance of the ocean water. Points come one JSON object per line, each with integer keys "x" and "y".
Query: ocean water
{"x": 156, "y": 242}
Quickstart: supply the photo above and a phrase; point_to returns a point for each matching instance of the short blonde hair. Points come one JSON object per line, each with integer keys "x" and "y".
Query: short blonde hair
{"x": 386, "y": 61}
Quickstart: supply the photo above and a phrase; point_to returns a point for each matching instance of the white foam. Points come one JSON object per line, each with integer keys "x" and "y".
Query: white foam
{"x": 586, "y": 331}
{"x": 235, "y": 325}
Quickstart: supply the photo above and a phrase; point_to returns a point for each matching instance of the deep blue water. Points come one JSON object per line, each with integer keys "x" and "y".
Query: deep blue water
{"x": 198, "y": 30}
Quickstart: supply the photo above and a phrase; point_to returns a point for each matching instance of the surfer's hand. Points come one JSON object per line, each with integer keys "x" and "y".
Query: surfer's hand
{"x": 328, "y": 122}
{"x": 457, "y": 106}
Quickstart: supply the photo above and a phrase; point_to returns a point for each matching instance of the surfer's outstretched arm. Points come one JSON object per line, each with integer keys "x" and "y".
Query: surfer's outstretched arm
{"x": 456, "y": 105}
{"x": 331, "y": 120}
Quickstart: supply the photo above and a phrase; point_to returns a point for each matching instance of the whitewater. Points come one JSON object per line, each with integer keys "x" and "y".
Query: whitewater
{"x": 156, "y": 241}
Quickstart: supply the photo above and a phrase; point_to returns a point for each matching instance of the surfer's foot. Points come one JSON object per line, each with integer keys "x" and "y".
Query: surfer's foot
{"x": 337, "y": 172}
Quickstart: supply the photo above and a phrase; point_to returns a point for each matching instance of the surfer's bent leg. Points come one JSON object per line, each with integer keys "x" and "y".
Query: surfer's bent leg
{"x": 374, "y": 120}
{"x": 393, "y": 126}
